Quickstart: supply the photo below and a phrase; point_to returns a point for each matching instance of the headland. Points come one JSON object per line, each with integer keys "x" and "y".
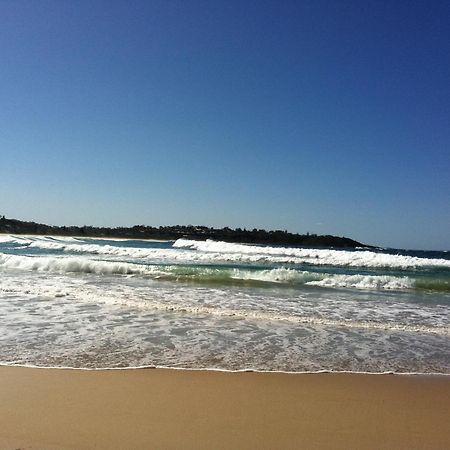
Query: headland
{"x": 226, "y": 234}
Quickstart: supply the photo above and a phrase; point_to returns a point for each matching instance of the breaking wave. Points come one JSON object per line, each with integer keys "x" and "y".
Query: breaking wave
{"x": 344, "y": 258}
{"x": 284, "y": 277}
{"x": 102, "y": 303}
{"x": 67, "y": 264}
{"x": 213, "y": 252}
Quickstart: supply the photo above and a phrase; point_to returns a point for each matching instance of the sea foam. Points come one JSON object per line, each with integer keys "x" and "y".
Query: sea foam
{"x": 66, "y": 264}
{"x": 278, "y": 276}
{"x": 84, "y": 302}
{"x": 357, "y": 258}
{"x": 191, "y": 251}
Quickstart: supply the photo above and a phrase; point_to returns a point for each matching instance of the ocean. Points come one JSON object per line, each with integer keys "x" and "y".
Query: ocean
{"x": 104, "y": 303}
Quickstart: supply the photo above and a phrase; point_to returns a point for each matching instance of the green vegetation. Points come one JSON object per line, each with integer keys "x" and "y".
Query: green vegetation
{"x": 277, "y": 237}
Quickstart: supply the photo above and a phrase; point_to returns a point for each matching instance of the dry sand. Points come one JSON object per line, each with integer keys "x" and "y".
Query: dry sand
{"x": 157, "y": 408}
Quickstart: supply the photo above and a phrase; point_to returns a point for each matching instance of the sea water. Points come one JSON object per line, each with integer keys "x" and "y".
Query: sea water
{"x": 98, "y": 303}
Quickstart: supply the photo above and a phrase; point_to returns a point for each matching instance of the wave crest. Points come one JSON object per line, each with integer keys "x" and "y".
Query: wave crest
{"x": 67, "y": 264}
{"x": 320, "y": 257}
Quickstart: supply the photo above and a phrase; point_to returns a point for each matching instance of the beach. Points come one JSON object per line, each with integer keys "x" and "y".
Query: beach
{"x": 224, "y": 225}
{"x": 108, "y": 344}
{"x": 164, "y": 408}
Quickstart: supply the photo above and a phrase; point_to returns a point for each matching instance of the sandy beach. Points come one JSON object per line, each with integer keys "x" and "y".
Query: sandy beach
{"x": 159, "y": 408}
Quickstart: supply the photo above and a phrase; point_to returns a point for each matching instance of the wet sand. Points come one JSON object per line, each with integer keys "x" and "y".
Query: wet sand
{"x": 159, "y": 408}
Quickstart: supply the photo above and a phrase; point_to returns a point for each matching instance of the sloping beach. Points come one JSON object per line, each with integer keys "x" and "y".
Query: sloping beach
{"x": 162, "y": 408}
{"x": 252, "y": 313}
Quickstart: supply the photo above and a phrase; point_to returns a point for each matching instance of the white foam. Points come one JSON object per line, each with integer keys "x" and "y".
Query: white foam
{"x": 367, "y": 282}
{"x": 186, "y": 251}
{"x": 97, "y": 249}
{"x": 61, "y": 264}
{"x": 380, "y": 282}
{"x": 114, "y": 239}
{"x": 231, "y": 371}
{"x": 56, "y": 318}
{"x": 314, "y": 256}
{"x": 10, "y": 239}
{"x": 278, "y": 275}
{"x": 299, "y": 320}
{"x": 67, "y": 264}
{"x": 215, "y": 302}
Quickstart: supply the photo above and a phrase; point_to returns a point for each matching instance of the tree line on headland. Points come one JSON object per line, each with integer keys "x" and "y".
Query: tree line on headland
{"x": 238, "y": 235}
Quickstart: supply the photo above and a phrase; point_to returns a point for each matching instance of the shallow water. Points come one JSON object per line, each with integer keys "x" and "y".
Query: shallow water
{"x": 93, "y": 303}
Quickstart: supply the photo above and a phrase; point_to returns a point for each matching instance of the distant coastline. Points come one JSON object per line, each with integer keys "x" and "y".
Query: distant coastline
{"x": 238, "y": 235}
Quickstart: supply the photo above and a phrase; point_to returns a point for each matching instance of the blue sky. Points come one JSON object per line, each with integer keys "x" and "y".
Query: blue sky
{"x": 312, "y": 116}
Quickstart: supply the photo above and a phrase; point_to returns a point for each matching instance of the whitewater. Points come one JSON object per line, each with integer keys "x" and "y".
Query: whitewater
{"x": 103, "y": 303}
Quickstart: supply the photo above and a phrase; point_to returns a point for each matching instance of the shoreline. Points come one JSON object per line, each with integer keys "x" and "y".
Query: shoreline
{"x": 218, "y": 370}
{"x": 164, "y": 408}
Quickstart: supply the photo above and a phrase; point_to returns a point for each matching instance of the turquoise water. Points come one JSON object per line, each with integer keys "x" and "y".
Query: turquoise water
{"x": 93, "y": 303}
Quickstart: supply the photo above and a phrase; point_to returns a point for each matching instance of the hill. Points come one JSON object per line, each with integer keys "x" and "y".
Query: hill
{"x": 277, "y": 237}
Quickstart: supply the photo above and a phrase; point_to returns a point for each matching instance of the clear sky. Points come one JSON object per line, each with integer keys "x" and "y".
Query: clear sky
{"x": 312, "y": 116}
